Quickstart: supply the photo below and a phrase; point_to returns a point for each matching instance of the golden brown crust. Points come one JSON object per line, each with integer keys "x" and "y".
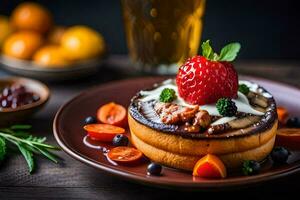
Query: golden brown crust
{"x": 178, "y": 144}
{"x": 183, "y": 153}
{"x": 187, "y": 162}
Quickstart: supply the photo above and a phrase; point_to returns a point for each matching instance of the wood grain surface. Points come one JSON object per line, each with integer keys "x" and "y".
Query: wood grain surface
{"x": 73, "y": 180}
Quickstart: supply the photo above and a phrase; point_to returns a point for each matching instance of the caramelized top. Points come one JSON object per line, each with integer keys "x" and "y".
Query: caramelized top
{"x": 262, "y": 115}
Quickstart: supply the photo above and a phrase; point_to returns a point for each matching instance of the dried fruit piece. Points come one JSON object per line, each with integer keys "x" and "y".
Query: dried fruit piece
{"x": 282, "y": 115}
{"x": 113, "y": 114}
{"x": 124, "y": 154}
{"x": 288, "y": 137}
{"x": 103, "y": 132}
{"x": 210, "y": 166}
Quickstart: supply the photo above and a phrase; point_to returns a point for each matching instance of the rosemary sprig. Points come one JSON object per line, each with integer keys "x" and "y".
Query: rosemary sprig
{"x": 27, "y": 144}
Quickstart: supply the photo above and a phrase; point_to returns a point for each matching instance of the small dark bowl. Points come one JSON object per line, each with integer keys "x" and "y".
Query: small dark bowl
{"x": 13, "y": 115}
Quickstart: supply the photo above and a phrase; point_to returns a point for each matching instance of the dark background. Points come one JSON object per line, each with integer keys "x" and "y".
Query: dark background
{"x": 267, "y": 29}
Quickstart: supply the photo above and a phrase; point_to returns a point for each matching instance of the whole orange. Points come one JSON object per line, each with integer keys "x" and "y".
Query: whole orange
{"x": 82, "y": 42}
{"x": 50, "y": 56}
{"x": 31, "y": 16}
{"x": 22, "y": 44}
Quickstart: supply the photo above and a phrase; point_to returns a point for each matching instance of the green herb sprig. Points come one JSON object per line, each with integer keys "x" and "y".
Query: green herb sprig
{"x": 228, "y": 53}
{"x": 243, "y": 88}
{"x": 18, "y": 136}
{"x": 167, "y": 95}
{"x": 226, "y": 107}
{"x": 250, "y": 167}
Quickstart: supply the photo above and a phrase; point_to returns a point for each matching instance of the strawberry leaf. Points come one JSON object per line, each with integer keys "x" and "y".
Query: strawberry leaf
{"x": 207, "y": 50}
{"x": 229, "y": 52}
{"x": 215, "y": 57}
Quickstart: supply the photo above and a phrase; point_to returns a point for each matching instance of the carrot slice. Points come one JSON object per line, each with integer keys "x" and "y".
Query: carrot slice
{"x": 113, "y": 114}
{"x": 124, "y": 154}
{"x": 288, "y": 137}
{"x": 282, "y": 115}
{"x": 103, "y": 132}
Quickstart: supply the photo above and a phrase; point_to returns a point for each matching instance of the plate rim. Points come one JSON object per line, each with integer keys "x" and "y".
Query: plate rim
{"x": 94, "y": 63}
{"x": 153, "y": 181}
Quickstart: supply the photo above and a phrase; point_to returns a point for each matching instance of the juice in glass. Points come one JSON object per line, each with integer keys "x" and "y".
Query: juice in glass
{"x": 162, "y": 34}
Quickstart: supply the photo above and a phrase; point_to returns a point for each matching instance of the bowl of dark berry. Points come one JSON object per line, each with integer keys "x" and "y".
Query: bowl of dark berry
{"x": 20, "y": 98}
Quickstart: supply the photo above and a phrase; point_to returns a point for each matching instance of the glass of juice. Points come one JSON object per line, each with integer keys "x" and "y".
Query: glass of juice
{"x": 162, "y": 34}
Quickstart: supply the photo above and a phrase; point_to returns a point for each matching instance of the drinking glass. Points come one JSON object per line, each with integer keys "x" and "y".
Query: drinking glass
{"x": 162, "y": 34}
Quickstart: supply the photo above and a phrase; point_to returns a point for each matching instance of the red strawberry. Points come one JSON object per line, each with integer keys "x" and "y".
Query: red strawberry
{"x": 204, "y": 80}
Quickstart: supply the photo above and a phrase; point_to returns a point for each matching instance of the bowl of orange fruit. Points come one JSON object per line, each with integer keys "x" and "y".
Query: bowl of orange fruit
{"x": 32, "y": 45}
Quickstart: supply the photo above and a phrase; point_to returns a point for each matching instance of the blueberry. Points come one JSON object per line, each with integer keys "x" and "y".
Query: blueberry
{"x": 35, "y": 97}
{"x": 90, "y": 120}
{"x": 6, "y": 91}
{"x": 251, "y": 167}
{"x": 4, "y": 103}
{"x": 154, "y": 169}
{"x": 280, "y": 155}
{"x": 293, "y": 122}
{"x": 120, "y": 140}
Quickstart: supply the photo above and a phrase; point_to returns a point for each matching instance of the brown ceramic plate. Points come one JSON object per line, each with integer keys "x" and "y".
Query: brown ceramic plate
{"x": 69, "y": 134}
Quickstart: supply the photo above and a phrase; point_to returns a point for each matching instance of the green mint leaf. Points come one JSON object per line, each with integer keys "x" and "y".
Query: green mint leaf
{"x": 20, "y": 127}
{"x": 244, "y": 89}
{"x": 229, "y": 52}
{"x": 167, "y": 95}
{"x": 2, "y": 148}
{"x": 27, "y": 154}
{"x": 207, "y": 50}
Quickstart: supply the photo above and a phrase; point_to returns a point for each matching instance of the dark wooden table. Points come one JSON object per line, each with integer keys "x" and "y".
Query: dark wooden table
{"x": 73, "y": 180}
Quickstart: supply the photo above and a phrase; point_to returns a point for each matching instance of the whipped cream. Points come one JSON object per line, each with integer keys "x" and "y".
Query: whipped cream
{"x": 255, "y": 88}
{"x": 241, "y": 102}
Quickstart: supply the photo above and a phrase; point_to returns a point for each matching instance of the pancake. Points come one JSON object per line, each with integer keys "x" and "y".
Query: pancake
{"x": 247, "y": 137}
